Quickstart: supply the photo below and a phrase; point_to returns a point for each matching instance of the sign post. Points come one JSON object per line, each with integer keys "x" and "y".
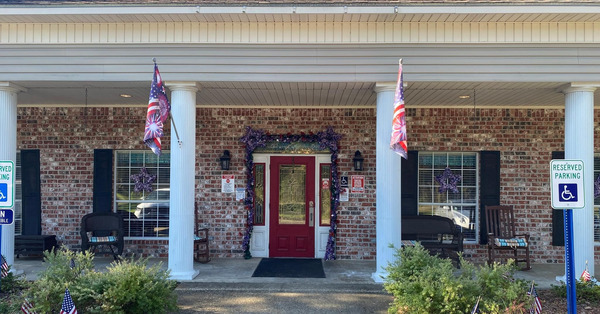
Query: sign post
{"x": 7, "y": 194}
{"x": 566, "y": 183}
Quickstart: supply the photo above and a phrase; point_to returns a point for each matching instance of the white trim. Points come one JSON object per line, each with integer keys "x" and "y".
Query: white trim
{"x": 95, "y": 10}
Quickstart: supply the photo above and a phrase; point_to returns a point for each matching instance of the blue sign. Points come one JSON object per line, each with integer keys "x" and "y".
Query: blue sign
{"x": 3, "y": 192}
{"x": 567, "y": 192}
{"x": 6, "y": 216}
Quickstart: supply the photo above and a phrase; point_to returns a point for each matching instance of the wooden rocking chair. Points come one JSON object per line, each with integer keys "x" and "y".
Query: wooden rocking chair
{"x": 500, "y": 224}
{"x": 201, "y": 242}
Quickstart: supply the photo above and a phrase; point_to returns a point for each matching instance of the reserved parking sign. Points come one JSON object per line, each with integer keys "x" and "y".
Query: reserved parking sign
{"x": 7, "y": 184}
{"x": 566, "y": 181}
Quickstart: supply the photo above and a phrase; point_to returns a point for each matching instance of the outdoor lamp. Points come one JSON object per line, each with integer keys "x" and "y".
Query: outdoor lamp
{"x": 358, "y": 161}
{"x": 225, "y": 158}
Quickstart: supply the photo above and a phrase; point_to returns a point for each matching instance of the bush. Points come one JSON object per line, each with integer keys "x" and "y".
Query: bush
{"x": 585, "y": 291}
{"x": 128, "y": 286}
{"x": 421, "y": 283}
{"x": 10, "y": 296}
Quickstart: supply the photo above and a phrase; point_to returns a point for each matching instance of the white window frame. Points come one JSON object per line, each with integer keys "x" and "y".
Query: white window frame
{"x": 462, "y": 203}
{"x": 133, "y": 199}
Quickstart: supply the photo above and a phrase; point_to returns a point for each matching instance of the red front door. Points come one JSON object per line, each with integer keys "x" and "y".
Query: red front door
{"x": 292, "y": 231}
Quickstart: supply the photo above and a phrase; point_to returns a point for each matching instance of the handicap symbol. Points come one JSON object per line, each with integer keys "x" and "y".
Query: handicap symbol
{"x": 3, "y": 192}
{"x": 568, "y": 193}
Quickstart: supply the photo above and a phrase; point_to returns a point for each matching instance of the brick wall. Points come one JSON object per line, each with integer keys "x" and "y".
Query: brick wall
{"x": 67, "y": 138}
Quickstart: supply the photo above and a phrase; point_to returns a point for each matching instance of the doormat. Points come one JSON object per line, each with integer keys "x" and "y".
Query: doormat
{"x": 290, "y": 268}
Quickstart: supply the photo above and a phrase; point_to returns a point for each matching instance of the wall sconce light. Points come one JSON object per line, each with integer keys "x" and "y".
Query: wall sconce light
{"x": 225, "y": 159}
{"x": 358, "y": 161}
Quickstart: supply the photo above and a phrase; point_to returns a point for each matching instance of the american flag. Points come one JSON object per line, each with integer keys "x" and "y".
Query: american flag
{"x": 585, "y": 276}
{"x": 27, "y": 307}
{"x": 158, "y": 112}
{"x": 3, "y": 267}
{"x": 536, "y": 306}
{"x": 68, "y": 307}
{"x": 398, "y": 141}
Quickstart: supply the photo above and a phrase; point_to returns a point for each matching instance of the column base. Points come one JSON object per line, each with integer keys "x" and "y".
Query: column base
{"x": 379, "y": 277}
{"x": 187, "y": 275}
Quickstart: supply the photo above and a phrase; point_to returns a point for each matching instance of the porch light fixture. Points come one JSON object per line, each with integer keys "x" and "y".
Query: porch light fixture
{"x": 225, "y": 159}
{"x": 358, "y": 161}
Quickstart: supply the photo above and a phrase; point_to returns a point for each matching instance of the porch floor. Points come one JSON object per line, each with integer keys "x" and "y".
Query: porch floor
{"x": 231, "y": 270}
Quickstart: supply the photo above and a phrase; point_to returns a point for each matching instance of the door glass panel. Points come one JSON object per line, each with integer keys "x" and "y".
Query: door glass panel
{"x": 325, "y": 194}
{"x": 259, "y": 194}
{"x": 292, "y": 194}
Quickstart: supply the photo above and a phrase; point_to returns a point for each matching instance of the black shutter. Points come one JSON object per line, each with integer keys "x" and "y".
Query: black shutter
{"x": 31, "y": 192}
{"x": 410, "y": 184}
{"x": 558, "y": 218}
{"x": 489, "y": 189}
{"x": 103, "y": 170}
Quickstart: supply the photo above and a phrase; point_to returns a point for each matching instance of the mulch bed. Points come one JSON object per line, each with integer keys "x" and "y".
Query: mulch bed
{"x": 552, "y": 303}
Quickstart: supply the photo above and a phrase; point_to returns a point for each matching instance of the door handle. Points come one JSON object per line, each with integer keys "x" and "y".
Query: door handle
{"x": 311, "y": 214}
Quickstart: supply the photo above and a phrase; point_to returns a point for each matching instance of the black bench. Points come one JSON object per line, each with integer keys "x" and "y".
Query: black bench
{"x": 34, "y": 244}
{"x": 437, "y": 234}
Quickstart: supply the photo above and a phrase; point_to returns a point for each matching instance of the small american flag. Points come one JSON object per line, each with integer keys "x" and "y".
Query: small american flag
{"x": 27, "y": 307}
{"x": 536, "y": 306}
{"x": 585, "y": 276}
{"x": 158, "y": 112}
{"x": 398, "y": 140}
{"x": 68, "y": 307}
{"x": 3, "y": 267}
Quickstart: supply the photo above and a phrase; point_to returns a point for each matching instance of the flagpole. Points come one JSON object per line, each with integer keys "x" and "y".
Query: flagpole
{"x": 175, "y": 127}
{"x": 171, "y": 116}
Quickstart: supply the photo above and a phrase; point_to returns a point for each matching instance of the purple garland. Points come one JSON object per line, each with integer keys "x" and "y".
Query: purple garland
{"x": 597, "y": 187}
{"x": 258, "y": 138}
{"x": 143, "y": 181}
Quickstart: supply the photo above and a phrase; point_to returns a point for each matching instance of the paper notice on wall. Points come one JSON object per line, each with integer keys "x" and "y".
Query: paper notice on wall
{"x": 240, "y": 194}
{"x": 228, "y": 183}
{"x": 344, "y": 194}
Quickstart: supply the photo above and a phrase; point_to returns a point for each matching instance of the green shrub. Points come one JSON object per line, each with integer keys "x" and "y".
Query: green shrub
{"x": 585, "y": 291}
{"x": 128, "y": 286}
{"x": 11, "y": 287}
{"x": 421, "y": 283}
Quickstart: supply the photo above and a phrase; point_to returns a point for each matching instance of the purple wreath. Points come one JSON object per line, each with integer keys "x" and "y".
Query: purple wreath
{"x": 143, "y": 181}
{"x": 448, "y": 181}
{"x": 254, "y": 139}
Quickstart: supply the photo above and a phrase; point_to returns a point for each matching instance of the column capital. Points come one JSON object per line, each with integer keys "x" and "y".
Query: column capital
{"x": 183, "y": 86}
{"x": 385, "y": 87}
{"x": 12, "y": 87}
{"x": 580, "y": 87}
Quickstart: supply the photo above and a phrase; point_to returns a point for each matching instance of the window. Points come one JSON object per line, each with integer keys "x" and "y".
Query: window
{"x": 259, "y": 194}
{"x": 144, "y": 214}
{"x": 18, "y": 208}
{"x": 462, "y": 207}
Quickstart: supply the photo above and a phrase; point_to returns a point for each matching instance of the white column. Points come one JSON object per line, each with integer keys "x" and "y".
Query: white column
{"x": 388, "y": 191}
{"x": 8, "y": 151}
{"x": 579, "y": 144}
{"x": 183, "y": 165}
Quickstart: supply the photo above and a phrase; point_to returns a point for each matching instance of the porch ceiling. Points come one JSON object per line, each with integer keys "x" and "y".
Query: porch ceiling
{"x": 302, "y": 94}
